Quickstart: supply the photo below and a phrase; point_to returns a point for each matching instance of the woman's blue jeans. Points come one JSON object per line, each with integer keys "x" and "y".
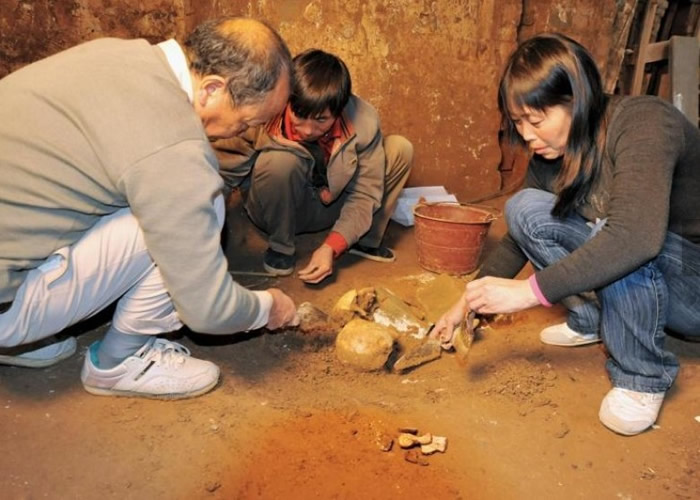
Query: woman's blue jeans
{"x": 631, "y": 313}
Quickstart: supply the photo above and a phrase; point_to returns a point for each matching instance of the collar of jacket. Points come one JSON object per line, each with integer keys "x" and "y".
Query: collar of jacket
{"x": 274, "y": 134}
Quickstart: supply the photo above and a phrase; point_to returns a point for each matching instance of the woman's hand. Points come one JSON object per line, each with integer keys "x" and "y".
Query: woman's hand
{"x": 444, "y": 328}
{"x": 498, "y": 295}
{"x": 319, "y": 267}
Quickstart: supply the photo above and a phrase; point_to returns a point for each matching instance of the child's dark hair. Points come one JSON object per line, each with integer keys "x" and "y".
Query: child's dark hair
{"x": 321, "y": 81}
{"x": 550, "y": 70}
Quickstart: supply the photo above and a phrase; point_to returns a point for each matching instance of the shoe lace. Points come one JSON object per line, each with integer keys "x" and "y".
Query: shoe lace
{"x": 167, "y": 353}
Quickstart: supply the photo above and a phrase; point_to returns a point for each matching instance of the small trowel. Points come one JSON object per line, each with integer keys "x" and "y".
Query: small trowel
{"x": 463, "y": 337}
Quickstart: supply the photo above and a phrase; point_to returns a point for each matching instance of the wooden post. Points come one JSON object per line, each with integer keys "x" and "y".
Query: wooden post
{"x": 684, "y": 59}
{"x": 616, "y": 55}
{"x": 640, "y": 59}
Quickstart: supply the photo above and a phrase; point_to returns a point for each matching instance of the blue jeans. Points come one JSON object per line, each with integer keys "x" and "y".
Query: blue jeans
{"x": 631, "y": 313}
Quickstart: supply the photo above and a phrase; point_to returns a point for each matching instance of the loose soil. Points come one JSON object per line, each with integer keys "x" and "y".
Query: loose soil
{"x": 288, "y": 420}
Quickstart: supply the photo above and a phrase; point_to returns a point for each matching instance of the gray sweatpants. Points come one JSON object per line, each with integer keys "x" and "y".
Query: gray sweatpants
{"x": 282, "y": 201}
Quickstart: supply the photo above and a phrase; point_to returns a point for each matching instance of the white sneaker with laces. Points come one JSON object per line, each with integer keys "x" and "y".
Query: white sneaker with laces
{"x": 39, "y": 357}
{"x": 630, "y": 412}
{"x": 563, "y": 336}
{"x": 160, "y": 369}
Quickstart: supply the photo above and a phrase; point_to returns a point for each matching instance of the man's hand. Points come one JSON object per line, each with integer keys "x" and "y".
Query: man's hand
{"x": 498, "y": 295}
{"x": 283, "y": 311}
{"x": 320, "y": 266}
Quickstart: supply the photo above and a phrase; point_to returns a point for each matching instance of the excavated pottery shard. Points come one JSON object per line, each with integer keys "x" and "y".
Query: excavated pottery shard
{"x": 417, "y": 354}
{"x": 393, "y": 311}
{"x": 414, "y": 457}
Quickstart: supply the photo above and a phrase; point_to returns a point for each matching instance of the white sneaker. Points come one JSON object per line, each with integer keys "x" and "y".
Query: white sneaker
{"x": 160, "y": 369}
{"x": 49, "y": 354}
{"x": 563, "y": 336}
{"x": 629, "y": 412}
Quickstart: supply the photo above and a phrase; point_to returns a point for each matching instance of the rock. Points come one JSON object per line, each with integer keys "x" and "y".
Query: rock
{"x": 312, "y": 319}
{"x": 344, "y": 310}
{"x": 414, "y": 457}
{"x": 561, "y": 431}
{"x": 409, "y": 430}
{"x": 366, "y": 301}
{"x": 364, "y": 345}
{"x": 212, "y": 486}
{"x": 354, "y": 304}
{"x": 384, "y": 441}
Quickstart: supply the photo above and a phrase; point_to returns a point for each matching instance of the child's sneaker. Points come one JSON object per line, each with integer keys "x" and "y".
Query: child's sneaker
{"x": 379, "y": 254}
{"x": 278, "y": 263}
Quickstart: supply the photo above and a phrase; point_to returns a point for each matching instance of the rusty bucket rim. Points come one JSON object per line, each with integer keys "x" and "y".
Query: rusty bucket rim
{"x": 492, "y": 212}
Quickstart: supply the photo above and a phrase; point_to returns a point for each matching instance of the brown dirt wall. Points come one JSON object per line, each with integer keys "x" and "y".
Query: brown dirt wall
{"x": 431, "y": 68}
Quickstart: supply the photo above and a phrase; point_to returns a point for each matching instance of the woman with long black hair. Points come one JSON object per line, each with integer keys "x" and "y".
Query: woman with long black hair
{"x": 611, "y": 206}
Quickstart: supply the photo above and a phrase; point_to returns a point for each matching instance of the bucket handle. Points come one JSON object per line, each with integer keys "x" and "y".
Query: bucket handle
{"x": 494, "y": 213}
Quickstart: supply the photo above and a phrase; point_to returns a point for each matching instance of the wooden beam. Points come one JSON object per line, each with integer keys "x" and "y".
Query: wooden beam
{"x": 657, "y": 51}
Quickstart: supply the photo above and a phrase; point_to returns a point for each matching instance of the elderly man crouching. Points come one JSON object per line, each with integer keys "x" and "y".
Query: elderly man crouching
{"x": 110, "y": 193}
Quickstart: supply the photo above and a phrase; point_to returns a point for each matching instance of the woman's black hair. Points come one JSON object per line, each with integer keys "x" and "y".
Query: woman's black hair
{"x": 550, "y": 70}
{"x": 321, "y": 81}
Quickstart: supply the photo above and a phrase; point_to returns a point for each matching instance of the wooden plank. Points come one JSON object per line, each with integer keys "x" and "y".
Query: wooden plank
{"x": 657, "y": 51}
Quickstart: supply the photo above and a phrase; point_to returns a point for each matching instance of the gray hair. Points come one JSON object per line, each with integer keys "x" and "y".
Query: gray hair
{"x": 249, "y": 54}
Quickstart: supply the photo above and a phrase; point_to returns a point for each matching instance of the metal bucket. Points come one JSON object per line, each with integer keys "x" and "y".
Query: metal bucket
{"x": 451, "y": 236}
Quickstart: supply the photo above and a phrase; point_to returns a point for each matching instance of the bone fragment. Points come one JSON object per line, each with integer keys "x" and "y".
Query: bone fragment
{"x": 438, "y": 443}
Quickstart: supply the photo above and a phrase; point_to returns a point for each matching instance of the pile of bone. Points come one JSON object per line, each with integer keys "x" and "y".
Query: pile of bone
{"x": 375, "y": 323}
{"x": 427, "y": 443}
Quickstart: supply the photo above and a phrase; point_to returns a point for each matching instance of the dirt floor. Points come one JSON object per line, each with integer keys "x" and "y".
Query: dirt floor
{"x": 289, "y": 421}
